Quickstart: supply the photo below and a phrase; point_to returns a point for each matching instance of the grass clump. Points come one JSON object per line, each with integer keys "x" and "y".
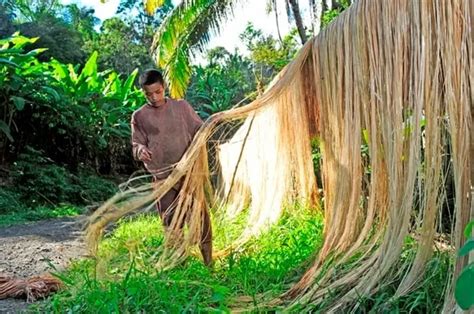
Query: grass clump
{"x": 126, "y": 280}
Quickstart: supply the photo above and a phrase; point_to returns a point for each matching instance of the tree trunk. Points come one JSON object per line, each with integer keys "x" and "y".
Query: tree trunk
{"x": 299, "y": 21}
{"x": 275, "y": 8}
{"x": 317, "y": 7}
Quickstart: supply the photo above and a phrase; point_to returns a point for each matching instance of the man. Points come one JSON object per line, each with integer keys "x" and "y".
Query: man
{"x": 162, "y": 130}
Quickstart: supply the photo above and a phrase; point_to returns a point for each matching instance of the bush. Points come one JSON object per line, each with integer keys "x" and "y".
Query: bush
{"x": 39, "y": 181}
{"x": 9, "y": 200}
{"x": 93, "y": 188}
{"x": 79, "y": 115}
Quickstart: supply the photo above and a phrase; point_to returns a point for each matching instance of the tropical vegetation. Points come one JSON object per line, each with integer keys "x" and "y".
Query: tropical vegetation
{"x": 68, "y": 87}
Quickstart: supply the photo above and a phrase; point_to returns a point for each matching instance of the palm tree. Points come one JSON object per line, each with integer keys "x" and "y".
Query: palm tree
{"x": 187, "y": 29}
{"x": 272, "y": 6}
{"x": 294, "y": 8}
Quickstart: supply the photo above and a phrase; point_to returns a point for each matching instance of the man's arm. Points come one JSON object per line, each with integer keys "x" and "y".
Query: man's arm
{"x": 193, "y": 120}
{"x": 139, "y": 142}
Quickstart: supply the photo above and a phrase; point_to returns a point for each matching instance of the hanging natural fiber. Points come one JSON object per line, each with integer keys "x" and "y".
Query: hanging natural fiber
{"x": 31, "y": 289}
{"x": 396, "y": 76}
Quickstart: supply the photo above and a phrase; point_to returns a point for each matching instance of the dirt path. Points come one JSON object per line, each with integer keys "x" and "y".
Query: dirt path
{"x": 30, "y": 249}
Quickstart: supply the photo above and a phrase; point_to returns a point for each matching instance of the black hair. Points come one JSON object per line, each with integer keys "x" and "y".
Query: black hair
{"x": 150, "y": 77}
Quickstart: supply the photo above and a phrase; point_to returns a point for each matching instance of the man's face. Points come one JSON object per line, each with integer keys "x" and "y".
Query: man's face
{"x": 154, "y": 93}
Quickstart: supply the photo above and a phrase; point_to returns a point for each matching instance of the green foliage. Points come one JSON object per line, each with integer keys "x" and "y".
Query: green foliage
{"x": 330, "y": 15}
{"x": 39, "y": 181}
{"x": 428, "y": 297}
{"x": 37, "y": 188}
{"x": 6, "y": 20}
{"x": 229, "y": 78}
{"x": 186, "y": 30}
{"x": 81, "y": 19}
{"x": 69, "y": 32}
{"x": 63, "y": 42}
{"x": 469, "y": 229}
{"x": 268, "y": 55}
{"x": 33, "y": 10}
{"x": 269, "y": 52}
{"x": 74, "y": 115}
{"x": 261, "y": 271}
{"x": 221, "y": 84}
{"x": 142, "y": 24}
{"x": 9, "y": 200}
{"x": 268, "y": 263}
{"x": 120, "y": 48}
{"x": 48, "y": 20}
{"x": 17, "y": 72}
{"x": 464, "y": 292}
{"x": 38, "y": 213}
{"x": 93, "y": 188}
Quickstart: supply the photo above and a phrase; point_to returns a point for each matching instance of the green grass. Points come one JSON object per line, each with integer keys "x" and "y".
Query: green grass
{"x": 426, "y": 297}
{"x": 125, "y": 280}
{"x": 38, "y": 213}
{"x": 130, "y": 284}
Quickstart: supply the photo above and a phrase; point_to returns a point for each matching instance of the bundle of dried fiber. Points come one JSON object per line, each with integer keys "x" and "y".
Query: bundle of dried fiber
{"x": 32, "y": 288}
{"x": 396, "y": 76}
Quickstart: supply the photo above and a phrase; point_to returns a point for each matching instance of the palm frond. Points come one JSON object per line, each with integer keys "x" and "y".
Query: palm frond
{"x": 187, "y": 29}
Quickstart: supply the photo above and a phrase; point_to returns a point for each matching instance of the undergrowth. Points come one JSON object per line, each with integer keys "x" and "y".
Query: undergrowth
{"x": 127, "y": 281}
{"x": 37, "y": 188}
{"x": 38, "y": 213}
{"x": 247, "y": 279}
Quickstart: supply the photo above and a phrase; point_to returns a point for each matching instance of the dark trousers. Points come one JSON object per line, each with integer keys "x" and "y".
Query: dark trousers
{"x": 166, "y": 208}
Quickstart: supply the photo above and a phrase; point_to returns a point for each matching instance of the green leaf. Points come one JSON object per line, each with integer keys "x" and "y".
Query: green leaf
{"x": 128, "y": 85}
{"x": 466, "y": 248}
{"x": 16, "y": 82}
{"x": 20, "y": 41}
{"x": 10, "y": 51}
{"x": 186, "y": 29}
{"x": 6, "y": 130}
{"x": 60, "y": 70}
{"x": 90, "y": 69}
{"x": 35, "y": 52}
{"x": 102, "y": 142}
{"x": 52, "y": 92}
{"x": 19, "y": 102}
{"x": 8, "y": 62}
{"x": 178, "y": 72}
{"x": 464, "y": 290}
{"x": 118, "y": 133}
{"x": 72, "y": 73}
{"x": 365, "y": 136}
{"x": 468, "y": 230}
{"x": 219, "y": 293}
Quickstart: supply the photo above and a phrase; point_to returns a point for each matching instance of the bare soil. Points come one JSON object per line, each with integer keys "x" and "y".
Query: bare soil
{"x": 35, "y": 248}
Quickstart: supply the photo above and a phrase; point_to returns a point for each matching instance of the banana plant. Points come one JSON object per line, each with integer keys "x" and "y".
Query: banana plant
{"x": 83, "y": 107}
{"x": 17, "y": 68}
{"x": 464, "y": 292}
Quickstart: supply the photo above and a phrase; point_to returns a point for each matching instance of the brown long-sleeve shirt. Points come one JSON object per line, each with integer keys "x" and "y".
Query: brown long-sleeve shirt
{"x": 166, "y": 131}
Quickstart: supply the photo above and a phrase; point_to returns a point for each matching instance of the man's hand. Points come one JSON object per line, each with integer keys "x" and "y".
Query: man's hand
{"x": 145, "y": 154}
